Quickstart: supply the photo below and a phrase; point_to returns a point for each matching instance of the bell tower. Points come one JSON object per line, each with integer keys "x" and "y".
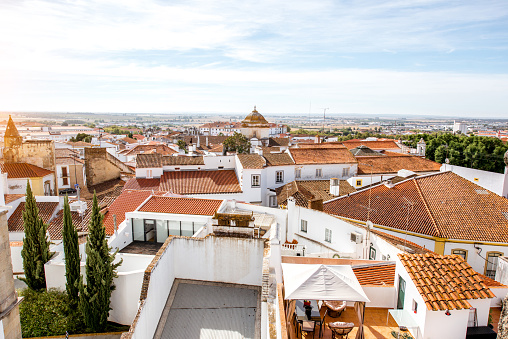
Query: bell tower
{"x": 12, "y": 142}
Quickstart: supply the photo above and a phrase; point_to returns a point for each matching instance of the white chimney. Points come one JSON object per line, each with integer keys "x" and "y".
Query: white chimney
{"x": 334, "y": 187}
{"x": 194, "y": 148}
{"x": 207, "y": 141}
{"x": 198, "y": 143}
{"x": 258, "y": 150}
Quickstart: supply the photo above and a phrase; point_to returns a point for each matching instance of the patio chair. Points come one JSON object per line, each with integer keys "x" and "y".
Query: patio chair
{"x": 307, "y": 326}
{"x": 340, "y": 329}
{"x": 335, "y": 307}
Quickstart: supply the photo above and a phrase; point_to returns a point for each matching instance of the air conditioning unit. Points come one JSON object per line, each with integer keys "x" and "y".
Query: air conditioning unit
{"x": 356, "y": 237}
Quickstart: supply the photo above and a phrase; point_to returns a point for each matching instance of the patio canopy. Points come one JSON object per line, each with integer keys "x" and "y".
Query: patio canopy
{"x": 321, "y": 282}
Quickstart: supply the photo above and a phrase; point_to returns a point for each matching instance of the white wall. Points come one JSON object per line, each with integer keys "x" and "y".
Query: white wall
{"x": 308, "y": 172}
{"x": 380, "y": 296}
{"x": 494, "y": 182}
{"x": 439, "y": 326}
{"x": 214, "y": 162}
{"x": 482, "y": 310}
{"x": 230, "y": 260}
{"x": 17, "y": 259}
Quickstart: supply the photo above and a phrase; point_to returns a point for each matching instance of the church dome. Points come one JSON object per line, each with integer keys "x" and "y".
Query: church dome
{"x": 254, "y": 119}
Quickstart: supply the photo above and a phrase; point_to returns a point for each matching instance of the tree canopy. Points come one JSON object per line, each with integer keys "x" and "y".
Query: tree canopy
{"x": 237, "y": 143}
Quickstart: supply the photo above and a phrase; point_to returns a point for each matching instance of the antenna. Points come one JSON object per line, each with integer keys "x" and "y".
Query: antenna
{"x": 409, "y": 205}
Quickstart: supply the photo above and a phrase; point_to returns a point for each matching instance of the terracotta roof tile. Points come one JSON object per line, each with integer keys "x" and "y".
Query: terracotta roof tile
{"x": 445, "y": 205}
{"x": 278, "y": 159}
{"x": 159, "y": 204}
{"x": 392, "y": 164}
{"x": 79, "y": 144}
{"x": 128, "y": 201}
{"x": 306, "y": 190}
{"x": 142, "y": 184}
{"x": 278, "y": 142}
{"x": 12, "y": 197}
{"x": 309, "y": 156}
{"x": 382, "y": 274}
{"x": 251, "y": 161}
{"x": 148, "y": 161}
{"x": 23, "y": 170}
{"x": 444, "y": 281}
{"x": 158, "y": 148}
{"x": 200, "y": 182}
{"x": 46, "y": 210}
{"x": 182, "y": 160}
{"x": 385, "y": 144}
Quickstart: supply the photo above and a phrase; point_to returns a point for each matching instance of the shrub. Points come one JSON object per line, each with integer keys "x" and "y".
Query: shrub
{"x": 47, "y": 313}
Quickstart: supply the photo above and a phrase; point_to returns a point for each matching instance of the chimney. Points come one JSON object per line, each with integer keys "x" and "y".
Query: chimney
{"x": 194, "y": 148}
{"x": 317, "y": 139}
{"x": 258, "y": 150}
{"x": 334, "y": 187}
{"x": 198, "y": 144}
{"x": 316, "y": 204}
{"x": 207, "y": 141}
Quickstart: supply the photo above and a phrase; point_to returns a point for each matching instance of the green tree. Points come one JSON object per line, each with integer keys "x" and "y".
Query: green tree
{"x": 130, "y": 135}
{"x": 94, "y": 297}
{"x": 35, "y": 250}
{"x": 72, "y": 258}
{"x": 182, "y": 145}
{"x": 237, "y": 143}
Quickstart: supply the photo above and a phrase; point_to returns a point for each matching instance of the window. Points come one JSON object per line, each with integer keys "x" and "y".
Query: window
{"x": 65, "y": 181}
{"x": 328, "y": 235}
{"x": 272, "y": 200}
{"x": 149, "y": 173}
{"x": 372, "y": 253}
{"x": 462, "y": 253}
{"x": 319, "y": 172}
{"x": 279, "y": 177}
{"x": 255, "y": 180}
{"x": 414, "y": 308}
{"x": 476, "y": 179}
{"x": 491, "y": 264}
{"x": 345, "y": 172}
{"x": 303, "y": 226}
{"x": 298, "y": 173}
{"x": 359, "y": 182}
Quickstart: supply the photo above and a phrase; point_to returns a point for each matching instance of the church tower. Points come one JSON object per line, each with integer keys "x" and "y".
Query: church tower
{"x": 12, "y": 142}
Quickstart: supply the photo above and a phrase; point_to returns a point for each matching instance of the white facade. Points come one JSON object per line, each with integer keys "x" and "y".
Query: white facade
{"x": 325, "y": 171}
{"x": 459, "y": 127}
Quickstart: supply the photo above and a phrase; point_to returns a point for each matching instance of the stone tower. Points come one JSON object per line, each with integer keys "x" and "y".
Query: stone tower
{"x": 12, "y": 142}
{"x": 420, "y": 147}
{"x": 9, "y": 301}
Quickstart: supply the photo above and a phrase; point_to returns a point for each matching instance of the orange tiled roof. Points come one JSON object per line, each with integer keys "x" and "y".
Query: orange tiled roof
{"x": 392, "y": 164}
{"x": 306, "y": 190}
{"x": 320, "y": 145}
{"x": 23, "y": 170}
{"x": 278, "y": 142}
{"x": 444, "y": 205}
{"x": 182, "y": 160}
{"x": 158, "y": 148}
{"x": 251, "y": 161}
{"x": 12, "y": 197}
{"x": 385, "y": 144}
{"x": 309, "y": 156}
{"x": 46, "y": 210}
{"x": 142, "y": 184}
{"x": 79, "y": 144}
{"x": 174, "y": 205}
{"x": 375, "y": 274}
{"x": 278, "y": 159}
{"x": 200, "y": 182}
{"x": 446, "y": 282}
{"x": 128, "y": 201}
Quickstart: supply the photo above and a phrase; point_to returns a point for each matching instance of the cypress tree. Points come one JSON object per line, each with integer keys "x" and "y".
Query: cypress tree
{"x": 71, "y": 250}
{"x": 94, "y": 297}
{"x": 35, "y": 250}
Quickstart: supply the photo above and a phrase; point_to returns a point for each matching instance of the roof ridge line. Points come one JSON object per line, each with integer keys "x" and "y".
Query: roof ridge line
{"x": 427, "y": 208}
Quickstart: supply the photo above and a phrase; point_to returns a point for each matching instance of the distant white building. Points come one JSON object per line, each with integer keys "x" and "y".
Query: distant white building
{"x": 459, "y": 127}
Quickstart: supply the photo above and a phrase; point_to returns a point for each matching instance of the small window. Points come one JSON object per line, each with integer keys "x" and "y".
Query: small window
{"x": 476, "y": 179}
{"x": 491, "y": 264}
{"x": 372, "y": 253}
{"x": 177, "y": 168}
{"x": 319, "y": 172}
{"x": 279, "y": 177}
{"x": 462, "y": 253}
{"x": 272, "y": 200}
{"x": 328, "y": 235}
{"x": 298, "y": 173}
{"x": 255, "y": 180}
{"x": 345, "y": 172}
{"x": 414, "y": 308}
{"x": 359, "y": 182}
{"x": 65, "y": 181}
{"x": 149, "y": 174}
{"x": 303, "y": 226}
{"x": 221, "y": 167}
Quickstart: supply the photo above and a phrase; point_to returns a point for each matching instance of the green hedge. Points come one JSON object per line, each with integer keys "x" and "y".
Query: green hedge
{"x": 47, "y": 313}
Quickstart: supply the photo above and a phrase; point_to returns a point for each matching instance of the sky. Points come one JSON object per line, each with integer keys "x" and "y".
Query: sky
{"x": 407, "y": 57}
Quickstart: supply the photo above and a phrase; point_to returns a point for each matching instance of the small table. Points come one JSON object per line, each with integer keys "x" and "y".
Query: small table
{"x": 300, "y": 311}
